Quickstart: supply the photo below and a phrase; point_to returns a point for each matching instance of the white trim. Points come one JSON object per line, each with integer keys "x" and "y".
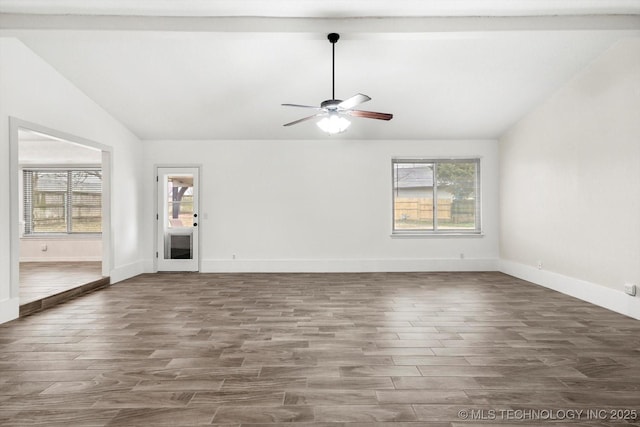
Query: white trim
{"x": 9, "y": 309}
{"x": 436, "y": 235}
{"x": 14, "y": 206}
{"x": 593, "y": 293}
{"x": 107, "y": 235}
{"x": 127, "y": 271}
{"x": 346, "y": 265}
{"x": 71, "y": 237}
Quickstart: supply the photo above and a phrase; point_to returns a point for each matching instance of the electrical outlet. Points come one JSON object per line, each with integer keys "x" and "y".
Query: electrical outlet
{"x": 539, "y": 265}
{"x": 630, "y": 289}
{"x": 44, "y": 247}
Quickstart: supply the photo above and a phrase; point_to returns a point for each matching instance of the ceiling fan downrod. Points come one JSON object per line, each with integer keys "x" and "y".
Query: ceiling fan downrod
{"x": 333, "y": 38}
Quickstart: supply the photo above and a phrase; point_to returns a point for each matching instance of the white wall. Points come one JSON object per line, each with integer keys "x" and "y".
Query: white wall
{"x": 52, "y": 152}
{"x": 33, "y": 91}
{"x": 570, "y": 185}
{"x": 317, "y": 205}
{"x": 59, "y": 249}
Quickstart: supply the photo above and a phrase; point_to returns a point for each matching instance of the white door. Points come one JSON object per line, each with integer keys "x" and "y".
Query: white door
{"x": 177, "y": 217}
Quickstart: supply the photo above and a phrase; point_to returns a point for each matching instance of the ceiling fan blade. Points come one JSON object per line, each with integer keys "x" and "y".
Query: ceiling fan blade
{"x": 357, "y": 99}
{"x": 304, "y": 119}
{"x": 370, "y": 114}
{"x": 302, "y": 106}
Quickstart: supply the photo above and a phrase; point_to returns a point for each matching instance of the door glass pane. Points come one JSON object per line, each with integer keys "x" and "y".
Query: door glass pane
{"x": 179, "y": 216}
{"x": 180, "y": 201}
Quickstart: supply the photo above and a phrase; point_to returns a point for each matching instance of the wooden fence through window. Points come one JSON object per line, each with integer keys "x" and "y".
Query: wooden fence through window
{"x": 418, "y": 209}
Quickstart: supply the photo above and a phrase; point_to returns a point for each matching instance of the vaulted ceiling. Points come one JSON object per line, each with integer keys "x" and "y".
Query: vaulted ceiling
{"x": 220, "y": 69}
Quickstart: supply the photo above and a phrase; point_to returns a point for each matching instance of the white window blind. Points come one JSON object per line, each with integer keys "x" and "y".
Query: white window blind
{"x": 62, "y": 201}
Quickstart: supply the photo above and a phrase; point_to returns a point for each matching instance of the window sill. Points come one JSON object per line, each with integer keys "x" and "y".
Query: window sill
{"x": 437, "y": 235}
{"x": 55, "y": 236}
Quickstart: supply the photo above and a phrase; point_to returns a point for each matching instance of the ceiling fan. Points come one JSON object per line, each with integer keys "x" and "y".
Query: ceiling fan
{"x": 332, "y": 111}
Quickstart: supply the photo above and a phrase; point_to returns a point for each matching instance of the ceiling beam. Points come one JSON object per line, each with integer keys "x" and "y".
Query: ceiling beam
{"x": 321, "y": 8}
{"x": 406, "y": 27}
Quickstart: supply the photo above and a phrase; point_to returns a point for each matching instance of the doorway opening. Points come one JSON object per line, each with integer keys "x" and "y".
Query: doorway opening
{"x": 59, "y": 250}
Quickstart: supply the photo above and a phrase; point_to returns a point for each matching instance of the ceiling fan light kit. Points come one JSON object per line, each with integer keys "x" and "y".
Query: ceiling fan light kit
{"x": 332, "y": 111}
{"x": 334, "y": 124}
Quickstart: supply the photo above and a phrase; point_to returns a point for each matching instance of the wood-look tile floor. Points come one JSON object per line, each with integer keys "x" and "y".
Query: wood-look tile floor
{"x": 43, "y": 279}
{"x": 375, "y": 349}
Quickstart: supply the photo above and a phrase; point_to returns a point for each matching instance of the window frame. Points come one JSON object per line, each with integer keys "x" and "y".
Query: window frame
{"x": 68, "y": 206}
{"x": 475, "y": 232}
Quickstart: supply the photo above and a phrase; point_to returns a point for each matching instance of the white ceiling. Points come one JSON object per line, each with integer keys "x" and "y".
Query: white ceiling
{"x": 37, "y": 149}
{"x": 206, "y": 73}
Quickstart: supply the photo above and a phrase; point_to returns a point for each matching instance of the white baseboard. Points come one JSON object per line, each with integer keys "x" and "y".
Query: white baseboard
{"x": 62, "y": 259}
{"x": 127, "y": 271}
{"x": 149, "y": 265}
{"x": 9, "y": 309}
{"x": 345, "y": 265}
{"x": 593, "y": 293}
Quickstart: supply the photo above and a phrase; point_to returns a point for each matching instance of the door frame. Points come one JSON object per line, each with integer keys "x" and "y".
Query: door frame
{"x": 156, "y": 237}
{"x": 15, "y": 125}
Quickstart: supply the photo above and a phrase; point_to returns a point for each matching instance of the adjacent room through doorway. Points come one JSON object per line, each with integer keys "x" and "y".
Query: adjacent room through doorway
{"x": 60, "y": 218}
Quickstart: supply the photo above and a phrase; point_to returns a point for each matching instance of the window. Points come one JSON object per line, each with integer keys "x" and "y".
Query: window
{"x": 432, "y": 196}
{"x": 62, "y": 201}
